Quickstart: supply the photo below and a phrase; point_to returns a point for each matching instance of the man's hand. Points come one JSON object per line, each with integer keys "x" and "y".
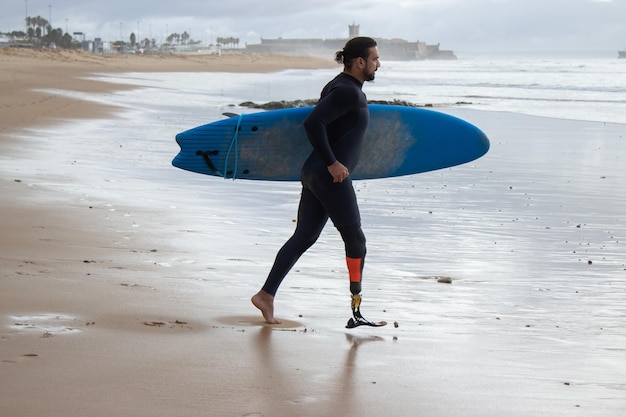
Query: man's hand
{"x": 338, "y": 171}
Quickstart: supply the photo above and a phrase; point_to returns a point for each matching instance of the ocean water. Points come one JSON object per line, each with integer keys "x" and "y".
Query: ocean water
{"x": 577, "y": 89}
{"x": 533, "y": 235}
{"x": 591, "y": 89}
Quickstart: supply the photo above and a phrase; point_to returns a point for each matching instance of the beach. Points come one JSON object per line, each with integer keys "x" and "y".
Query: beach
{"x": 24, "y": 71}
{"x": 123, "y": 296}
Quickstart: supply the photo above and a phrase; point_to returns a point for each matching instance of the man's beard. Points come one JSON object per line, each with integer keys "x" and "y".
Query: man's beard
{"x": 369, "y": 76}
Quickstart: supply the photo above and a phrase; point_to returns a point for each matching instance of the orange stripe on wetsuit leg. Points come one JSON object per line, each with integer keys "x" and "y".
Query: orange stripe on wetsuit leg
{"x": 355, "y": 268}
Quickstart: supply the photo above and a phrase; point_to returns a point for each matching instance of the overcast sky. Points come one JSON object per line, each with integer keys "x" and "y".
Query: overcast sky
{"x": 460, "y": 25}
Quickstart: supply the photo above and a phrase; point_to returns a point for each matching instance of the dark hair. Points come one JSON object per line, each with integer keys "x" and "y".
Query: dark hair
{"x": 355, "y": 48}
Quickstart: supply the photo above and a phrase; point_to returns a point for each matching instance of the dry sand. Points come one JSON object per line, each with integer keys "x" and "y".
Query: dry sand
{"x": 22, "y": 72}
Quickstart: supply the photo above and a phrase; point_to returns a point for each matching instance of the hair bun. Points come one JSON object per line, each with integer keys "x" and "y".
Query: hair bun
{"x": 339, "y": 55}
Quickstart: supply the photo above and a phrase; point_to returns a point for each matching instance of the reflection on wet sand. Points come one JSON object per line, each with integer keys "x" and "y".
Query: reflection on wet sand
{"x": 337, "y": 397}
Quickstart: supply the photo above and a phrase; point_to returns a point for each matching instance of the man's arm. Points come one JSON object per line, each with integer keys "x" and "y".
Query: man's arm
{"x": 328, "y": 109}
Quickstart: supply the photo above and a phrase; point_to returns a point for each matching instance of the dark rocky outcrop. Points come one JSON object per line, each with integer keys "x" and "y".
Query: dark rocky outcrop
{"x": 284, "y": 104}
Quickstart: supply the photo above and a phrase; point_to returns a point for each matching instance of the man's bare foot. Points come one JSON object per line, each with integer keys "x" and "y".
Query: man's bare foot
{"x": 265, "y": 302}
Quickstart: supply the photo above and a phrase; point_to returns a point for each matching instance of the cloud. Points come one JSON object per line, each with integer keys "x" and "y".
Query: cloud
{"x": 456, "y": 24}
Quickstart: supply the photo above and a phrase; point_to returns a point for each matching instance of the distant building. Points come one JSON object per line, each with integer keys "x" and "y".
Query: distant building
{"x": 390, "y": 49}
{"x": 195, "y": 49}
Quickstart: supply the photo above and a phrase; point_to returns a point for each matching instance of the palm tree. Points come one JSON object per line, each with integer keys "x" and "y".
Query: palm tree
{"x": 185, "y": 37}
{"x": 36, "y": 26}
{"x": 41, "y": 24}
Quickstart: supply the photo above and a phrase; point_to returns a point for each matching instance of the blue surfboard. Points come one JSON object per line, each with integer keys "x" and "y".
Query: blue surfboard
{"x": 273, "y": 146}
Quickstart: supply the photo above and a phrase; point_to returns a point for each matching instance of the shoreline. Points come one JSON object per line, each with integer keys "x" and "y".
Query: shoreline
{"x": 23, "y": 73}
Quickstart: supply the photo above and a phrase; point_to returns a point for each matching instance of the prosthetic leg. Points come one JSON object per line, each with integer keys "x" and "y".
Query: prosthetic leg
{"x": 355, "y": 268}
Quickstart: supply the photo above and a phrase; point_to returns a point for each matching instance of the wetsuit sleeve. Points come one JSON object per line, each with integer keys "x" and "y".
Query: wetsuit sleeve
{"x": 331, "y": 107}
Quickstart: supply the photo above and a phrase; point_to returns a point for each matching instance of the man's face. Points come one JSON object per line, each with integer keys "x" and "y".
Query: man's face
{"x": 372, "y": 63}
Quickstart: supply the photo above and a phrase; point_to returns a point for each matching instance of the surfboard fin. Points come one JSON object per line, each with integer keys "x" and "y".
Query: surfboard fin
{"x": 357, "y": 319}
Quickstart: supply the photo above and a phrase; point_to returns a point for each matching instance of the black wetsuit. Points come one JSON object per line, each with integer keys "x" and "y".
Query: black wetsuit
{"x": 336, "y": 129}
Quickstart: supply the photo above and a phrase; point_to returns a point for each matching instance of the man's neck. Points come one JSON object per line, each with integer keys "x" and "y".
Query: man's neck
{"x": 354, "y": 75}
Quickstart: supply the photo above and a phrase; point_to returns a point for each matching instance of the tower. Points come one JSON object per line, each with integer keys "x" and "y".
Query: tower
{"x": 353, "y": 30}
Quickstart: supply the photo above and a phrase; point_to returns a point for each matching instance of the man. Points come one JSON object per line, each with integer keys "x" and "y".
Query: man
{"x": 336, "y": 129}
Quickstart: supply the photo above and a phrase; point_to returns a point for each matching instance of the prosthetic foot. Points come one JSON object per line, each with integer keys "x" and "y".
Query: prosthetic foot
{"x": 357, "y": 319}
